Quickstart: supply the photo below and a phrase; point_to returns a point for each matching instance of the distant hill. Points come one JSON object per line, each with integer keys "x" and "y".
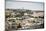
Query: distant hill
{"x": 24, "y": 10}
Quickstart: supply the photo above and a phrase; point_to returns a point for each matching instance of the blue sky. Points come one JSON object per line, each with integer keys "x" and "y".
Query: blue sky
{"x": 26, "y": 5}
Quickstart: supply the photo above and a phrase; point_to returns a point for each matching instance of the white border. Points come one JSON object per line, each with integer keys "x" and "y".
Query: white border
{"x": 2, "y": 15}
{"x": 2, "y": 18}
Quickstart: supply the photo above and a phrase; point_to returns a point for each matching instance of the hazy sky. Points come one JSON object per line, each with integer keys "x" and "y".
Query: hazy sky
{"x": 26, "y": 5}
